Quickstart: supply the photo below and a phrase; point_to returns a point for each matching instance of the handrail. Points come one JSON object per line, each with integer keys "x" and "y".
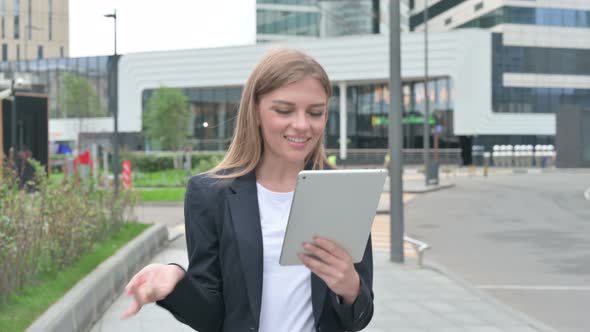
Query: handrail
{"x": 419, "y": 246}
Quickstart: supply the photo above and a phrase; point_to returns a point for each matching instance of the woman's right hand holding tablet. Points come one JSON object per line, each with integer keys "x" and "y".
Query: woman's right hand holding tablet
{"x": 153, "y": 283}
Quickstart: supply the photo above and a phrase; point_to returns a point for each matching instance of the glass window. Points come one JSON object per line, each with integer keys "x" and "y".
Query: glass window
{"x": 4, "y": 53}
{"x": 3, "y": 17}
{"x": 40, "y": 52}
{"x": 536, "y": 16}
{"x": 16, "y": 19}
{"x": 50, "y": 20}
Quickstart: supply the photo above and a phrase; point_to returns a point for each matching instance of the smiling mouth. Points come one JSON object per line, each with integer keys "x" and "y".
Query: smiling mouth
{"x": 297, "y": 140}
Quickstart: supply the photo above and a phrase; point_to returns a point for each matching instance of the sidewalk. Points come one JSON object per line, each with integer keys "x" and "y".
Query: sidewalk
{"x": 407, "y": 299}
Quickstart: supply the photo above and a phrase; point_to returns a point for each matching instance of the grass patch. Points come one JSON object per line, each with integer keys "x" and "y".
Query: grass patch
{"x": 25, "y": 306}
{"x": 162, "y": 195}
{"x": 167, "y": 178}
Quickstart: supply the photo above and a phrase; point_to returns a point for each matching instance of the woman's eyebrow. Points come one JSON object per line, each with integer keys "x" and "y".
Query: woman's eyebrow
{"x": 282, "y": 102}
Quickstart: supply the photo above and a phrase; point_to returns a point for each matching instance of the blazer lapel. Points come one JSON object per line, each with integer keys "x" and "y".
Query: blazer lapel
{"x": 243, "y": 205}
{"x": 318, "y": 296}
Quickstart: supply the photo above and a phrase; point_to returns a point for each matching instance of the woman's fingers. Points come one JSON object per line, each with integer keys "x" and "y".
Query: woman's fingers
{"x": 332, "y": 248}
{"x": 132, "y": 310}
{"x": 319, "y": 267}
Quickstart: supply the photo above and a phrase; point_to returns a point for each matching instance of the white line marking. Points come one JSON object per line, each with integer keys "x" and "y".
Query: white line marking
{"x": 587, "y": 194}
{"x": 539, "y": 287}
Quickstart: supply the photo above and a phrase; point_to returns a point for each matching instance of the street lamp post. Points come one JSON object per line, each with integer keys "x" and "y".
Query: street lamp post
{"x": 396, "y": 207}
{"x": 426, "y": 134}
{"x": 114, "y": 105}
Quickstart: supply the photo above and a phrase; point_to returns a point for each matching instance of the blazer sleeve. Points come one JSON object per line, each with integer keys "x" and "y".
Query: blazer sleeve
{"x": 356, "y": 316}
{"x": 197, "y": 299}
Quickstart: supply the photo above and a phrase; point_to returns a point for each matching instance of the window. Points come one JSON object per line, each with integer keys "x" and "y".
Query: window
{"x": 40, "y": 52}
{"x": 50, "y": 18}
{"x": 3, "y": 14}
{"x": 29, "y": 26}
{"x": 534, "y": 16}
{"x": 478, "y": 6}
{"x": 61, "y": 51}
{"x": 448, "y": 21}
{"x": 4, "y": 52}
{"x": 16, "y": 19}
{"x": 17, "y": 52}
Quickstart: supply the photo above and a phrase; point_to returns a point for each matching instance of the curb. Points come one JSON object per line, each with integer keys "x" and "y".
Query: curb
{"x": 87, "y": 301}
{"x": 531, "y": 322}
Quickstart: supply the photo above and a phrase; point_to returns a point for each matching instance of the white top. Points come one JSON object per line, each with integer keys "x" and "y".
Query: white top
{"x": 286, "y": 290}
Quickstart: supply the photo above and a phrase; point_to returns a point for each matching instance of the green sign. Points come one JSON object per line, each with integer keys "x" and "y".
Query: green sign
{"x": 412, "y": 119}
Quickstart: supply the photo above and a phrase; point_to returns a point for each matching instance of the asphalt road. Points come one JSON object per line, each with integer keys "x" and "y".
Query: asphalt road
{"x": 524, "y": 239}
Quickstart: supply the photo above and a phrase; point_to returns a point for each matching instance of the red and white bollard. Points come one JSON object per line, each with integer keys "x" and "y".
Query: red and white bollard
{"x": 126, "y": 174}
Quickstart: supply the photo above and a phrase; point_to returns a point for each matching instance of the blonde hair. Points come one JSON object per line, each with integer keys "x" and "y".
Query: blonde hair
{"x": 278, "y": 68}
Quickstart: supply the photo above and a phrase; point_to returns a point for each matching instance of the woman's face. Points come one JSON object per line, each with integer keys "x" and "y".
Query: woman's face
{"x": 292, "y": 120}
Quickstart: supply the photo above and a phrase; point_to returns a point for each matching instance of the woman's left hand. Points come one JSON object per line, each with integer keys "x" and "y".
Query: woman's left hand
{"x": 334, "y": 266}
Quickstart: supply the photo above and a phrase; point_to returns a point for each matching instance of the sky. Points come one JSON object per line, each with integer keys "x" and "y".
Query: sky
{"x": 156, "y": 25}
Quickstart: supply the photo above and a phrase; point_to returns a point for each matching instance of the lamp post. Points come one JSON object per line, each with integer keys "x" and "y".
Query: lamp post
{"x": 426, "y": 133}
{"x": 114, "y": 105}
{"x": 396, "y": 211}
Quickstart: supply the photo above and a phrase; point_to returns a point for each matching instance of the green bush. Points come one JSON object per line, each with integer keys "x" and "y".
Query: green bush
{"x": 148, "y": 163}
{"x": 49, "y": 227}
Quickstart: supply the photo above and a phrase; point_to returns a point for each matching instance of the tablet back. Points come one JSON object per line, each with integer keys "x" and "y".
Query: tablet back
{"x": 339, "y": 205}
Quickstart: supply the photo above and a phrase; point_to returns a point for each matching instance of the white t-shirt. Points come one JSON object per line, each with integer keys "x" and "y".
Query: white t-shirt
{"x": 286, "y": 290}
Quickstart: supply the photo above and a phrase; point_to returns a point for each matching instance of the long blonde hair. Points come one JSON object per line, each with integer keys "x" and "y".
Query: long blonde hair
{"x": 278, "y": 68}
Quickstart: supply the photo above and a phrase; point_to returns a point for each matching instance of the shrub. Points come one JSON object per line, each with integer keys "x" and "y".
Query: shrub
{"x": 50, "y": 226}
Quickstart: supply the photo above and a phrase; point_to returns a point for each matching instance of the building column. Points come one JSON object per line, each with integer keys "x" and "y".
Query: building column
{"x": 343, "y": 120}
{"x": 221, "y": 115}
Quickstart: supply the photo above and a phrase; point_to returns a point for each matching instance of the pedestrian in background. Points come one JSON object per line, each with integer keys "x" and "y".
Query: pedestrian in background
{"x": 236, "y": 215}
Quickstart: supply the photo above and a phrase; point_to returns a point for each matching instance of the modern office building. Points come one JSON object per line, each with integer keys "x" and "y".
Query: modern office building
{"x": 540, "y": 61}
{"x": 212, "y": 79}
{"x": 278, "y": 20}
{"x": 34, "y": 29}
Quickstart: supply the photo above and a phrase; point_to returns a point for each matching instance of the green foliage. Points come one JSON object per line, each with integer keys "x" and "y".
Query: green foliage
{"x": 79, "y": 98}
{"x": 24, "y": 306}
{"x": 147, "y": 163}
{"x": 166, "y": 118}
{"x": 48, "y": 229}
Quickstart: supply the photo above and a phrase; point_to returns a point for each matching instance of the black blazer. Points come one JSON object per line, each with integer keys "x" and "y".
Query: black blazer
{"x": 222, "y": 288}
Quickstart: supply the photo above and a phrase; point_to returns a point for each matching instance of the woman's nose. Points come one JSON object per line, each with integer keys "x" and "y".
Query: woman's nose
{"x": 300, "y": 122}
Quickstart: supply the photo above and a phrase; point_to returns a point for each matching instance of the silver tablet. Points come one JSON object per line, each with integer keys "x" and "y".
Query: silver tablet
{"x": 339, "y": 205}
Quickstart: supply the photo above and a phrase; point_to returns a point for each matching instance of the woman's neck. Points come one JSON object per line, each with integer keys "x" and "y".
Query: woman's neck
{"x": 277, "y": 176}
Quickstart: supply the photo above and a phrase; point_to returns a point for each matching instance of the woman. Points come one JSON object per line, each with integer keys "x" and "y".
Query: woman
{"x": 236, "y": 215}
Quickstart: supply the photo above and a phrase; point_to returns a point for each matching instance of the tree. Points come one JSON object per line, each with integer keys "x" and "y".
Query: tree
{"x": 79, "y": 98}
{"x": 166, "y": 118}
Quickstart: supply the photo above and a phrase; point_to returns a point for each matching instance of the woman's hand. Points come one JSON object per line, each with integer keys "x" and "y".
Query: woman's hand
{"x": 334, "y": 266}
{"x": 153, "y": 283}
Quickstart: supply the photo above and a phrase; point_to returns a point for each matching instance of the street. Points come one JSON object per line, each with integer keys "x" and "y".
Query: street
{"x": 524, "y": 239}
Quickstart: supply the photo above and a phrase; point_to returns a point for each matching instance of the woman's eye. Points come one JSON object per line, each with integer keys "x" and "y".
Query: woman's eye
{"x": 316, "y": 114}
{"x": 285, "y": 112}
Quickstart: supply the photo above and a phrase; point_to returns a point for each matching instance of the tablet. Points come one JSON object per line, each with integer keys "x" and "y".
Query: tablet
{"x": 338, "y": 204}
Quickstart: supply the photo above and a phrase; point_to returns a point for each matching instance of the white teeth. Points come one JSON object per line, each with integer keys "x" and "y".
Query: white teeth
{"x": 297, "y": 140}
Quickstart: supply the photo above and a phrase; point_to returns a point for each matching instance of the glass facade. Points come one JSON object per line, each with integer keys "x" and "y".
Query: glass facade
{"x": 213, "y": 113}
{"x": 288, "y": 23}
{"x": 16, "y": 31}
{"x": 367, "y": 109}
{"x": 572, "y": 18}
{"x": 315, "y": 18}
{"x": 433, "y": 11}
{"x": 536, "y": 60}
{"x": 76, "y": 87}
